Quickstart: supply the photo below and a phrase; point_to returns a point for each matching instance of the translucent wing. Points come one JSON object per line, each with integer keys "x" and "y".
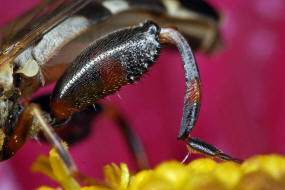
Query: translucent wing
{"x": 34, "y": 30}
{"x": 8, "y": 31}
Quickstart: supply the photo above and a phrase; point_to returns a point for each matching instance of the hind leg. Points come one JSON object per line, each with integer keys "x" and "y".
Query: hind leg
{"x": 80, "y": 124}
{"x": 35, "y": 115}
{"x": 192, "y": 98}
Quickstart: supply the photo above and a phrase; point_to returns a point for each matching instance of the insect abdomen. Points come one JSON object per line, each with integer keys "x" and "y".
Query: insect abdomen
{"x": 115, "y": 60}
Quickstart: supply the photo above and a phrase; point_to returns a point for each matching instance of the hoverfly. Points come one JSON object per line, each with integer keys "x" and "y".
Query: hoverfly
{"x": 106, "y": 64}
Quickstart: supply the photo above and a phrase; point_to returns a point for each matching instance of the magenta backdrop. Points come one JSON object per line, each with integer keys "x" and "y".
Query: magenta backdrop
{"x": 242, "y": 109}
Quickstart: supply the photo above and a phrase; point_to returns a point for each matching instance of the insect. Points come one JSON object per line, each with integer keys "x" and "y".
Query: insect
{"x": 111, "y": 61}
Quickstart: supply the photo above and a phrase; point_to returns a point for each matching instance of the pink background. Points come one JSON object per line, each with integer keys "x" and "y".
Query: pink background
{"x": 242, "y": 109}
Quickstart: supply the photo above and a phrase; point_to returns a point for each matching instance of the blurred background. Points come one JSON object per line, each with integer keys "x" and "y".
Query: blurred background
{"x": 242, "y": 109}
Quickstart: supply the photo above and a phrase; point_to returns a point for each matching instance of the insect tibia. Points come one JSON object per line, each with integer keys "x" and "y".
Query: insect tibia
{"x": 192, "y": 95}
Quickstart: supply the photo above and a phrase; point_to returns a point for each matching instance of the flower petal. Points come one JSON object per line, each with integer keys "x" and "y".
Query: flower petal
{"x": 125, "y": 176}
{"x": 46, "y": 188}
{"x": 42, "y": 165}
{"x": 61, "y": 172}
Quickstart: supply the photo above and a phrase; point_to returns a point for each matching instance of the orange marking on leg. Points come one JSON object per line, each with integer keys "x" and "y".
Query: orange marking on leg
{"x": 194, "y": 91}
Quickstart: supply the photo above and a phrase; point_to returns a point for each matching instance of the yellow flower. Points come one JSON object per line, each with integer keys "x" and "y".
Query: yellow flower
{"x": 256, "y": 173}
{"x": 119, "y": 178}
{"x": 54, "y": 168}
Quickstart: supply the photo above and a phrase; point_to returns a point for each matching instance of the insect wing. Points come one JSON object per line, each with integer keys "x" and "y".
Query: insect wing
{"x": 33, "y": 31}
